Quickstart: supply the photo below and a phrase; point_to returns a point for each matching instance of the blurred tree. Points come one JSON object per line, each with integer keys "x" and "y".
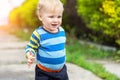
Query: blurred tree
{"x": 25, "y": 15}
{"x": 111, "y": 23}
{"x": 96, "y": 20}
{"x": 103, "y": 17}
{"x": 14, "y": 18}
{"x": 72, "y": 22}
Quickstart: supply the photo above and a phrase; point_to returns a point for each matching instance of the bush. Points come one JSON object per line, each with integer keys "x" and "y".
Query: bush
{"x": 25, "y": 15}
{"x": 102, "y": 16}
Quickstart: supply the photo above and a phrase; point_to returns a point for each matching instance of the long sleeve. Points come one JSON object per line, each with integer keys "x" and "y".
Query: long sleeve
{"x": 33, "y": 43}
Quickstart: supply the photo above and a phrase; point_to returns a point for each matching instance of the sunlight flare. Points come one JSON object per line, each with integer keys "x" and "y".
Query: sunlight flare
{"x": 5, "y": 7}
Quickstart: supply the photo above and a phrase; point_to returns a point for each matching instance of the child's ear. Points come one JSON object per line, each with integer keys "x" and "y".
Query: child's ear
{"x": 40, "y": 18}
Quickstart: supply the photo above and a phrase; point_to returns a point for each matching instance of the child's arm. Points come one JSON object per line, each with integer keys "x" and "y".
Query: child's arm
{"x": 32, "y": 47}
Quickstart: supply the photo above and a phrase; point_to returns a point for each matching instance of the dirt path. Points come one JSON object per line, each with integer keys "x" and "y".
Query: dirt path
{"x": 13, "y": 68}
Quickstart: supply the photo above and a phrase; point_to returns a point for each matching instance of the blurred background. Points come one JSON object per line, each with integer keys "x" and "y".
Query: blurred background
{"x": 96, "y": 21}
{"x": 6, "y": 7}
{"x": 94, "y": 24}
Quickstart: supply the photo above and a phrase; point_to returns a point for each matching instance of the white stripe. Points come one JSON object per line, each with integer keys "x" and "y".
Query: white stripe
{"x": 41, "y": 31}
{"x": 53, "y": 41}
{"x": 61, "y": 29}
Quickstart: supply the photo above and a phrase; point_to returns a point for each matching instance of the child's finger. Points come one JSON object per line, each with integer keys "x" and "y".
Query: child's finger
{"x": 31, "y": 55}
{"x": 32, "y": 58}
{"x": 29, "y": 60}
{"x": 29, "y": 63}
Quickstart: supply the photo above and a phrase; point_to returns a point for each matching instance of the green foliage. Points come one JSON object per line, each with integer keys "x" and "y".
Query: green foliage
{"x": 25, "y": 15}
{"x": 117, "y": 56}
{"x": 63, "y": 1}
{"x": 14, "y": 17}
{"x": 102, "y": 16}
{"x": 89, "y": 10}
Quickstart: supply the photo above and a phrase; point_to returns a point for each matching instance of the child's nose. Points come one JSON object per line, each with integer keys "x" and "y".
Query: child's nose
{"x": 55, "y": 19}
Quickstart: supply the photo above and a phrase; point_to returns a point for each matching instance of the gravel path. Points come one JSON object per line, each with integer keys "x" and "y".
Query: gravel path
{"x": 12, "y": 57}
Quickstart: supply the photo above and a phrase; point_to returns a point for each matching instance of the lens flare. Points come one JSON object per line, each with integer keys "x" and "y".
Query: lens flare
{"x": 5, "y": 7}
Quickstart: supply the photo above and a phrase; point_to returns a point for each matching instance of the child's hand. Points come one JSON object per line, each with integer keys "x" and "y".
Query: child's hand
{"x": 30, "y": 58}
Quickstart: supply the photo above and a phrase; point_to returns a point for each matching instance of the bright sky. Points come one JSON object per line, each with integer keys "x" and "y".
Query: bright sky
{"x": 6, "y": 6}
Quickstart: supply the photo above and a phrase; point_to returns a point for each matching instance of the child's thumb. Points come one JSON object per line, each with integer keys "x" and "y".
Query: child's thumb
{"x": 31, "y": 55}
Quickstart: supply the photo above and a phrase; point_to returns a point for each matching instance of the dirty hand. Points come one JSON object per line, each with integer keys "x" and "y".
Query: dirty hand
{"x": 30, "y": 58}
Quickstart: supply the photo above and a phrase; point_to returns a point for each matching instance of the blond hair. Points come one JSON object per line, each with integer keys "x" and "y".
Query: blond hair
{"x": 49, "y": 5}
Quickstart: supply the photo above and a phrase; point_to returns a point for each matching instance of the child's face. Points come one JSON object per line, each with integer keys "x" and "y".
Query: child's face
{"x": 51, "y": 20}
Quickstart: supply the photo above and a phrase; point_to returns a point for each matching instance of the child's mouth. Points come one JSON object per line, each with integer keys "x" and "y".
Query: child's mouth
{"x": 54, "y": 24}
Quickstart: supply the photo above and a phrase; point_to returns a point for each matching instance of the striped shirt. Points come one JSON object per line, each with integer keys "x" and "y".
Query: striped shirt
{"x": 48, "y": 47}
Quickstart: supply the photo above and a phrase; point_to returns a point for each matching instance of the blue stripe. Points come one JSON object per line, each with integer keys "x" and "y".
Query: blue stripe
{"x": 30, "y": 47}
{"x": 51, "y": 60}
{"x": 50, "y": 35}
{"x": 29, "y": 51}
{"x": 59, "y": 53}
{"x": 33, "y": 43}
{"x": 34, "y": 36}
{"x": 55, "y": 47}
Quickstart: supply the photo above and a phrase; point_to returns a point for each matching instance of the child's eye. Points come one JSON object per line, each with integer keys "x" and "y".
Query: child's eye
{"x": 51, "y": 16}
{"x": 59, "y": 16}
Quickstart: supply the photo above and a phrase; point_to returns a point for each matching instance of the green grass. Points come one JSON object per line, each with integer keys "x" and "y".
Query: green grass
{"x": 79, "y": 54}
{"x": 89, "y": 51}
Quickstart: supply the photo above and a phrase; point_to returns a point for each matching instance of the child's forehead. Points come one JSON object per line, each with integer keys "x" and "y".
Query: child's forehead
{"x": 53, "y": 10}
{"x": 58, "y": 12}
{"x": 52, "y": 13}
